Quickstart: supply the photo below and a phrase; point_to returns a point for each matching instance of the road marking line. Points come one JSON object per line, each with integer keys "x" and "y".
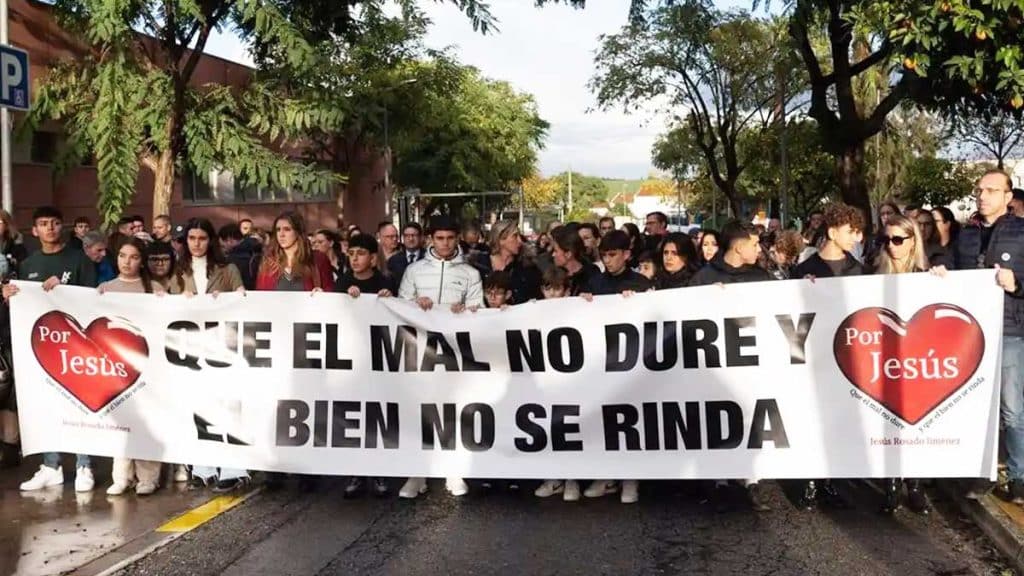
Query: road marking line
{"x": 202, "y": 514}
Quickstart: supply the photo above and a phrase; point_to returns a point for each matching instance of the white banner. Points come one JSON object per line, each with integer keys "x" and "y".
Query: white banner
{"x": 858, "y": 377}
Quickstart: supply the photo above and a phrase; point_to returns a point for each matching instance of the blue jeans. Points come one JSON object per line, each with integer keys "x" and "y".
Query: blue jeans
{"x": 52, "y": 460}
{"x": 1011, "y": 407}
{"x": 211, "y": 472}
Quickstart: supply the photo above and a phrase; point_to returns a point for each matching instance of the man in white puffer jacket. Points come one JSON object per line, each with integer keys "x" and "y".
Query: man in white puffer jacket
{"x": 442, "y": 278}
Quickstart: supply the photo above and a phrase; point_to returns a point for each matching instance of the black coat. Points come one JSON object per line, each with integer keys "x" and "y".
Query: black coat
{"x": 399, "y": 262}
{"x": 525, "y": 279}
{"x": 665, "y": 280}
{"x": 627, "y": 281}
{"x": 717, "y": 271}
{"x": 1005, "y": 248}
{"x": 816, "y": 266}
{"x": 246, "y": 257}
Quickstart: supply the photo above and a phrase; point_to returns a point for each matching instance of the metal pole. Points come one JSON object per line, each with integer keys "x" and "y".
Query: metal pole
{"x": 570, "y": 189}
{"x": 522, "y": 208}
{"x": 5, "y": 129}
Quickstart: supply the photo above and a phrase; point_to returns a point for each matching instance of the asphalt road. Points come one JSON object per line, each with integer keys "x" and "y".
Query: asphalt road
{"x": 673, "y": 530}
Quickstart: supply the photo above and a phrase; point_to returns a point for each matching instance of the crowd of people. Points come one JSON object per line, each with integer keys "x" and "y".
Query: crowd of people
{"x": 462, "y": 269}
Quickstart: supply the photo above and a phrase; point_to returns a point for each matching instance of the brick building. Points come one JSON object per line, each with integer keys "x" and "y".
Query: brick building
{"x": 34, "y": 29}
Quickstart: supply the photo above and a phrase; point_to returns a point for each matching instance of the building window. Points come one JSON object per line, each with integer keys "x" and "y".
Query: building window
{"x": 220, "y": 187}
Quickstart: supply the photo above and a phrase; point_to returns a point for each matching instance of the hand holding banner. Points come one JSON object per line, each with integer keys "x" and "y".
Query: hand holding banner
{"x": 888, "y": 376}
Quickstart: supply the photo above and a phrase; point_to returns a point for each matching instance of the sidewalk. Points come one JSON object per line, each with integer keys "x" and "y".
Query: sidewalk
{"x": 56, "y": 531}
{"x": 1000, "y": 520}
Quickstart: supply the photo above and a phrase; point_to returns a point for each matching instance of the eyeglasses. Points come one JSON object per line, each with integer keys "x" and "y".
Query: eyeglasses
{"x": 159, "y": 259}
{"x": 895, "y": 240}
{"x": 923, "y": 223}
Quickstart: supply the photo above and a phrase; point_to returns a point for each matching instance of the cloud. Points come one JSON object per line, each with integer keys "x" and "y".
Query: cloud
{"x": 549, "y": 53}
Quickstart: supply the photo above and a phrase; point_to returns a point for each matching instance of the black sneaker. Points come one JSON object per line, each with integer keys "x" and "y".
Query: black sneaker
{"x": 917, "y": 501}
{"x": 979, "y": 489}
{"x": 355, "y": 487}
{"x": 1017, "y": 492}
{"x": 230, "y": 485}
{"x": 831, "y": 496}
{"x": 380, "y": 488}
{"x": 809, "y": 500}
{"x": 758, "y": 496}
{"x": 892, "y": 486}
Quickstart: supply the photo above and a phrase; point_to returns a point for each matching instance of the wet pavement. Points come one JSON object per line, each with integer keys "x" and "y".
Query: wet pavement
{"x": 673, "y": 530}
{"x": 56, "y": 530}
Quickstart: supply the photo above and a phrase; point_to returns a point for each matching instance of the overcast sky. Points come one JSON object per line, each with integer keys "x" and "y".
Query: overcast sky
{"x": 548, "y": 53}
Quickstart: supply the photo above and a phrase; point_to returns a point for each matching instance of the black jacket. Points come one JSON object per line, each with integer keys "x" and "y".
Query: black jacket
{"x": 628, "y": 280}
{"x": 1005, "y": 248}
{"x": 525, "y": 279}
{"x": 399, "y": 262}
{"x": 246, "y": 257}
{"x": 816, "y": 266}
{"x": 665, "y": 280}
{"x": 718, "y": 271}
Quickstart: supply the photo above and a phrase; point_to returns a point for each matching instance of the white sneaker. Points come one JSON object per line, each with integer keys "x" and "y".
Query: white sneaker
{"x": 572, "y": 491}
{"x": 180, "y": 473}
{"x": 630, "y": 492}
{"x": 84, "y": 481}
{"x": 115, "y": 489}
{"x": 413, "y": 487}
{"x": 45, "y": 477}
{"x": 145, "y": 488}
{"x": 456, "y": 486}
{"x": 599, "y": 488}
{"x": 549, "y": 488}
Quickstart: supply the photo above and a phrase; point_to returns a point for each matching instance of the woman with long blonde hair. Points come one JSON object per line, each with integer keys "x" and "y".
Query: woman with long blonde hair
{"x": 903, "y": 252}
{"x": 903, "y": 248}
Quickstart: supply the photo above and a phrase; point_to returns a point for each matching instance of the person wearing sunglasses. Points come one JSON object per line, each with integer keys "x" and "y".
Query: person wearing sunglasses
{"x": 903, "y": 252}
{"x": 996, "y": 242}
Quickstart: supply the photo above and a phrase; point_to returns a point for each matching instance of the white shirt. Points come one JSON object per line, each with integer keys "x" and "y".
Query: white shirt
{"x": 199, "y": 274}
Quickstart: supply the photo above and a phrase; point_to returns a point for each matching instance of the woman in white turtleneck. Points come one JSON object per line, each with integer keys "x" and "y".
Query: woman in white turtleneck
{"x": 203, "y": 269}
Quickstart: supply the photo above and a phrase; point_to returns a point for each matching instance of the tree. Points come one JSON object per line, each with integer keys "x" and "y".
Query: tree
{"x": 586, "y": 192}
{"x": 716, "y": 70}
{"x": 932, "y": 181}
{"x": 132, "y": 98}
{"x": 812, "y": 176}
{"x": 909, "y": 133}
{"x": 539, "y": 192}
{"x": 992, "y": 133}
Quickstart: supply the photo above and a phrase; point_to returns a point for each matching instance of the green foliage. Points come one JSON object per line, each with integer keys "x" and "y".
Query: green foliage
{"x": 969, "y": 51}
{"x": 718, "y": 73}
{"x": 932, "y": 181}
{"x": 481, "y": 135}
{"x": 812, "y": 175}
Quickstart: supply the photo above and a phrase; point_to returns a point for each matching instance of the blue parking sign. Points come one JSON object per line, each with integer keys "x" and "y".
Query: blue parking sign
{"x": 14, "y": 81}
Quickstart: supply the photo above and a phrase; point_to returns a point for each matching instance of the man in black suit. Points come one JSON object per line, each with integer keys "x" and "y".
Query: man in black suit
{"x": 412, "y": 251}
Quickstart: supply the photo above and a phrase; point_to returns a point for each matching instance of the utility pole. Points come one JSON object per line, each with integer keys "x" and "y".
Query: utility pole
{"x": 570, "y": 188}
{"x": 6, "y": 195}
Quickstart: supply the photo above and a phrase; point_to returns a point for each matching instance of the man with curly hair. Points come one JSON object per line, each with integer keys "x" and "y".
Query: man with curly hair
{"x": 844, "y": 227}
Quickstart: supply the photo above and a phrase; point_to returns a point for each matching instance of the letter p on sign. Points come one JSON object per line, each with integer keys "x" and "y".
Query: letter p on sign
{"x": 14, "y": 80}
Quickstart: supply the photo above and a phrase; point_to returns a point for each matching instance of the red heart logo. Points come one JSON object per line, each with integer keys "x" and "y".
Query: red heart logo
{"x": 909, "y": 367}
{"x": 96, "y": 364}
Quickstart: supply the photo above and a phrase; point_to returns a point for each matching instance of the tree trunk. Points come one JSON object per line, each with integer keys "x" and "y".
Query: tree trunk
{"x": 163, "y": 183}
{"x": 729, "y": 190}
{"x": 852, "y": 185}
